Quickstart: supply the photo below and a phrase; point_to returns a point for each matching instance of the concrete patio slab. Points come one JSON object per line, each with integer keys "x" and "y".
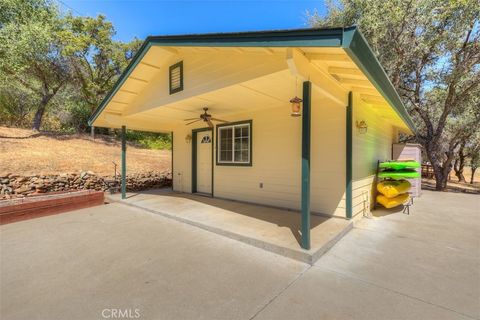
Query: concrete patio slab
{"x": 439, "y": 244}
{"x": 272, "y": 229}
{"x": 75, "y": 265}
{"x": 428, "y": 262}
{"x": 324, "y": 294}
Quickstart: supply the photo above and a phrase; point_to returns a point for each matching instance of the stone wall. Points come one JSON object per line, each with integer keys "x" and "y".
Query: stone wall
{"x": 14, "y": 185}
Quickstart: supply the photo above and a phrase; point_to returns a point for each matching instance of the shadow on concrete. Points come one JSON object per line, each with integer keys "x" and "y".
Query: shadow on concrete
{"x": 281, "y": 217}
{"x": 382, "y": 212}
{"x": 162, "y": 191}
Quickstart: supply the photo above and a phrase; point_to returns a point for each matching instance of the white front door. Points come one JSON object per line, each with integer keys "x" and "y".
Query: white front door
{"x": 204, "y": 161}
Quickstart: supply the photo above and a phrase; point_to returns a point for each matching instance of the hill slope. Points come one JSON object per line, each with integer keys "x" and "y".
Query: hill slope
{"x": 23, "y": 152}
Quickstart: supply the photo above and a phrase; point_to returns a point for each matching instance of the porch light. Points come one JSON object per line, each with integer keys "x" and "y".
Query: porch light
{"x": 296, "y": 106}
{"x": 362, "y": 127}
{"x": 188, "y": 138}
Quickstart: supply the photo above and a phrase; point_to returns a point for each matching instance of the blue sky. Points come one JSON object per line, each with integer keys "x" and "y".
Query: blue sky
{"x": 141, "y": 18}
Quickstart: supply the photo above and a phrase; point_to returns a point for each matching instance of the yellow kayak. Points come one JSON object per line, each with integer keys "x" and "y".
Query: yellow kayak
{"x": 391, "y": 189}
{"x": 393, "y": 202}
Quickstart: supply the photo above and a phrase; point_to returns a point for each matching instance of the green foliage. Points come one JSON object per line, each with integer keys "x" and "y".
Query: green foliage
{"x": 96, "y": 59}
{"x": 475, "y": 160}
{"x": 74, "y": 116}
{"x": 31, "y": 50}
{"x": 473, "y": 150}
{"x": 158, "y": 143}
{"x": 16, "y": 105}
{"x": 151, "y": 140}
{"x": 52, "y": 55}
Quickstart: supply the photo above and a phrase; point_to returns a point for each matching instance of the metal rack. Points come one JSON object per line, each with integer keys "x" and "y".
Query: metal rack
{"x": 406, "y": 207}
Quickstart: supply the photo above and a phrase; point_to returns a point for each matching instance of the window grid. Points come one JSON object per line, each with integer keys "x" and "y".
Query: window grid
{"x": 234, "y": 144}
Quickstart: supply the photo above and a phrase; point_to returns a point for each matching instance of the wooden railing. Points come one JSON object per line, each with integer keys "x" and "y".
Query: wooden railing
{"x": 427, "y": 172}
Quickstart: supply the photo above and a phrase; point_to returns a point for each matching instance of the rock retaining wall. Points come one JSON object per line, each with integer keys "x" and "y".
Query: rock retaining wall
{"x": 14, "y": 185}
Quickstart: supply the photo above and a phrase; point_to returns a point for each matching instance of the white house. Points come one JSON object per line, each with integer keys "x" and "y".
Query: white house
{"x": 247, "y": 145}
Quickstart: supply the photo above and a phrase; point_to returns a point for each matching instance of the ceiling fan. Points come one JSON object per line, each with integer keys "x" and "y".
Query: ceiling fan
{"x": 206, "y": 117}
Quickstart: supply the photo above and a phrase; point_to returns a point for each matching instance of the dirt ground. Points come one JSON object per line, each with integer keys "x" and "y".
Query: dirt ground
{"x": 454, "y": 186}
{"x": 24, "y": 152}
{"x": 467, "y": 172}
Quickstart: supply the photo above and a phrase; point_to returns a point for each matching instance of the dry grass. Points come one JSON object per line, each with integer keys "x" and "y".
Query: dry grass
{"x": 23, "y": 152}
{"x": 454, "y": 186}
{"x": 467, "y": 172}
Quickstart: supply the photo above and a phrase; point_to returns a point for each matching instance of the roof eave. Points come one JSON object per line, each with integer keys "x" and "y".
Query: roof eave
{"x": 278, "y": 38}
{"x": 356, "y": 46}
{"x": 349, "y": 38}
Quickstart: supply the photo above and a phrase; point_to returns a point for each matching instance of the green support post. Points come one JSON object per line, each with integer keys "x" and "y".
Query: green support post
{"x": 349, "y": 154}
{"x": 124, "y": 162}
{"x": 306, "y": 120}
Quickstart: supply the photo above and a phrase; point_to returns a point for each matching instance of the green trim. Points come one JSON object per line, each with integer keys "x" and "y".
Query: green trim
{"x": 349, "y": 154}
{"x": 281, "y": 38}
{"x": 356, "y": 46}
{"x": 306, "y": 123}
{"x": 213, "y": 163}
{"x": 176, "y": 65}
{"x": 171, "y": 166}
{"x": 194, "y": 161}
{"x": 311, "y": 37}
{"x": 235, "y": 164}
{"x": 348, "y": 38}
{"x": 124, "y": 162}
{"x": 194, "y": 158}
{"x": 123, "y": 77}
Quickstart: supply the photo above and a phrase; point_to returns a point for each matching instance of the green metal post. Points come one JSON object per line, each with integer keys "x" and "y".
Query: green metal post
{"x": 306, "y": 120}
{"x": 349, "y": 154}
{"x": 124, "y": 162}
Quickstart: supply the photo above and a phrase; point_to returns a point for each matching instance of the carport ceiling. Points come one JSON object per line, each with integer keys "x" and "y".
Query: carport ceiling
{"x": 261, "y": 93}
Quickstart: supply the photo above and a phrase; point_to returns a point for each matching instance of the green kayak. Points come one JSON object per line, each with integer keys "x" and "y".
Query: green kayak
{"x": 399, "y": 174}
{"x": 399, "y": 165}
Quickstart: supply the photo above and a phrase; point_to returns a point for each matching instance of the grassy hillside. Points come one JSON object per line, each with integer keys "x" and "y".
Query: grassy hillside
{"x": 23, "y": 152}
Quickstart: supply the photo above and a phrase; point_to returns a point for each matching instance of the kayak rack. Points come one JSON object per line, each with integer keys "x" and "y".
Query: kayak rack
{"x": 375, "y": 182}
{"x": 406, "y": 206}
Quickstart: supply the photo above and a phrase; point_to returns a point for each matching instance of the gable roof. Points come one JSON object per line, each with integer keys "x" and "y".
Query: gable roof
{"x": 349, "y": 38}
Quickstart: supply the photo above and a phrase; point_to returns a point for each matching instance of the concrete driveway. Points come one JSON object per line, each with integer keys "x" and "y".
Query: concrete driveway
{"x": 88, "y": 263}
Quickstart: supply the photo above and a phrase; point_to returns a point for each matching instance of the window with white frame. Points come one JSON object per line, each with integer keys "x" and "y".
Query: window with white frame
{"x": 234, "y": 144}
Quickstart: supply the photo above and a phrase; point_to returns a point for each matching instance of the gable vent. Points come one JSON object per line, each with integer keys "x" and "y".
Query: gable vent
{"x": 176, "y": 77}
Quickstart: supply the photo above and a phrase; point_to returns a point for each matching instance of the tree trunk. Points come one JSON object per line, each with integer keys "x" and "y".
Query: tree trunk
{"x": 441, "y": 168}
{"x": 437, "y": 168}
{"x": 472, "y": 178}
{"x": 37, "y": 120}
{"x": 458, "y": 168}
{"x": 439, "y": 177}
{"x": 460, "y": 164}
{"x": 444, "y": 180}
{"x": 460, "y": 176}
{"x": 447, "y": 165}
